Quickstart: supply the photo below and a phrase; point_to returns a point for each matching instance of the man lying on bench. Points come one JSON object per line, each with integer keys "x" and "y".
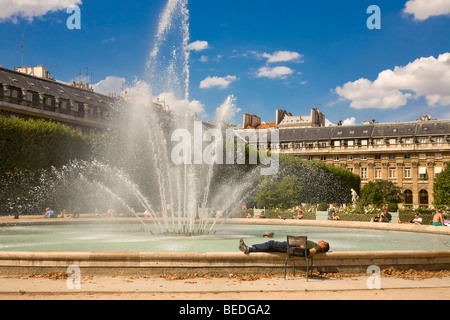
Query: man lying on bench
{"x": 277, "y": 246}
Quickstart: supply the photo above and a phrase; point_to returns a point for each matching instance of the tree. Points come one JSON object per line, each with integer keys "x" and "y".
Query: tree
{"x": 284, "y": 193}
{"x": 380, "y": 192}
{"x": 371, "y": 194}
{"x": 441, "y": 189}
{"x": 391, "y": 192}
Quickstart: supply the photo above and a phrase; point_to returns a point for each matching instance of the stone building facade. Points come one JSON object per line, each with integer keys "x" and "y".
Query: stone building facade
{"x": 411, "y": 155}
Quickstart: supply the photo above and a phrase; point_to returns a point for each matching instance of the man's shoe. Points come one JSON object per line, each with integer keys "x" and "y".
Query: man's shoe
{"x": 243, "y": 247}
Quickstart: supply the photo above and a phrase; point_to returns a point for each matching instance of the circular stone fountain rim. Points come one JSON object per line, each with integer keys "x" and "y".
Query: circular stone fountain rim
{"x": 403, "y": 227}
{"x": 157, "y": 263}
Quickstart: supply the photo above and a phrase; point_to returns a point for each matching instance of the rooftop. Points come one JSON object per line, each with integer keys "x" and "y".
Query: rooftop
{"x": 52, "y": 88}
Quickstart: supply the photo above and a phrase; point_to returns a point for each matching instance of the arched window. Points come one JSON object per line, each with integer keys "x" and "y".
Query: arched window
{"x": 408, "y": 197}
{"x": 423, "y": 197}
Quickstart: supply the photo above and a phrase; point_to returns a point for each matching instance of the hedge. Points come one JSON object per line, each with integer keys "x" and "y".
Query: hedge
{"x": 39, "y": 144}
{"x": 29, "y": 149}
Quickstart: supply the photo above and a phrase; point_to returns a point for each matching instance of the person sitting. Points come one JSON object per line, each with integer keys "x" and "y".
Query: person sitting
{"x": 299, "y": 214}
{"x": 249, "y": 216}
{"x": 277, "y": 246}
{"x": 49, "y": 214}
{"x": 377, "y": 218}
{"x": 262, "y": 215}
{"x": 334, "y": 216}
{"x": 64, "y": 214}
{"x": 386, "y": 216}
{"x": 417, "y": 219}
{"x": 438, "y": 220}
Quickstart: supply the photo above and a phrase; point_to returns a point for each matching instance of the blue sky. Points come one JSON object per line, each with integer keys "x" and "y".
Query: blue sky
{"x": 291, "y": 54}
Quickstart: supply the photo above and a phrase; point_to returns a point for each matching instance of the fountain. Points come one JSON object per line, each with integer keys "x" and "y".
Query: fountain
{"x": 156, "y": 157}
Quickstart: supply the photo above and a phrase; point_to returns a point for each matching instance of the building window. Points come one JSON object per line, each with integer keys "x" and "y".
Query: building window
{"x": 323, "y": 158}
{"x": 363, "y": 158}
{"x": 438, "y": 155}
{"x": 392, "y": 173}
{"x": 439, "y": 140}
{"x": 407, "y": 140}
{"x": 422, "y": 140}
{"x": 337, "y": 143}
{"x": 423, "y": 173}
{"x": 422, "y": 156}
{"x": 310, "y": 158}
{"x": 392, "y": 141}
{"x": 350, "y": 169}
{"x": 378, "y": 157}
{"x": 336, "y": 158}
{"x": 350, "y": 143}
{"x": 364, "y": 142}
{"x": 14, "y": 93}
{"x": 407, "y": 156}
{"x": 378, "y": 173}
{"x": 407, "y": 173}
{"x": 349, "y": 158}
{"x": 392, "y": 157}
{"x": 363, "y": 173}
{"x": 408, "y": 197}
{"x": 423, "y": 197}
{"x": 437, "y": 171}
{"x": 378, "y": 141}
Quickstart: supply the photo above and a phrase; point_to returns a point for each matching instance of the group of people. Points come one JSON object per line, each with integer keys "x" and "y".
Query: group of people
{"x": 50, "y": 214}
{"x": 262, "y": 215}
{"x": 383, "y": 217}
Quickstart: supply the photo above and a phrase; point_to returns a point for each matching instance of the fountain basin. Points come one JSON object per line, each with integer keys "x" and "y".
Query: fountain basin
{"x": 233, "y": 261}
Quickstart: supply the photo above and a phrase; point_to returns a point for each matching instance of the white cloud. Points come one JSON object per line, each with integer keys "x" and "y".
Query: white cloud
{"x": 349, "y": 121}
{"x": 282, "y": 56}
{"x": 198, "y": 45}
{"x": 274, "y": 73}
{"x": 204, "y": 59}
{"x": 111, "y": 84}
{"x": 220, "y": 82}
{"x": 28, "y": 9}
{"x": 424, "y": 77}
{"x": 424, "y": 9}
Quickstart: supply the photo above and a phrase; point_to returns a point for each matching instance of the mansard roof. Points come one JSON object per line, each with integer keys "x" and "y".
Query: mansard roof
{"x": 376, "y": 130}
{"x": 52, "y": 88}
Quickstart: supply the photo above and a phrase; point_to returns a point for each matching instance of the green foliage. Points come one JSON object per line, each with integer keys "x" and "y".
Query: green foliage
{"x": 392, "y": 207}
{"x": 371, "y": 194}
{"x": 380, "y": 193}
{"x": 441, "y": 189}
{"x": 282, "y": 194}
{"x": 38, "y": 144}
{"x": 28, "y": 150}
{"x": 322, "y": 206}
{"x": 391, "y": 193}
{"x": 301, "y": 181}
